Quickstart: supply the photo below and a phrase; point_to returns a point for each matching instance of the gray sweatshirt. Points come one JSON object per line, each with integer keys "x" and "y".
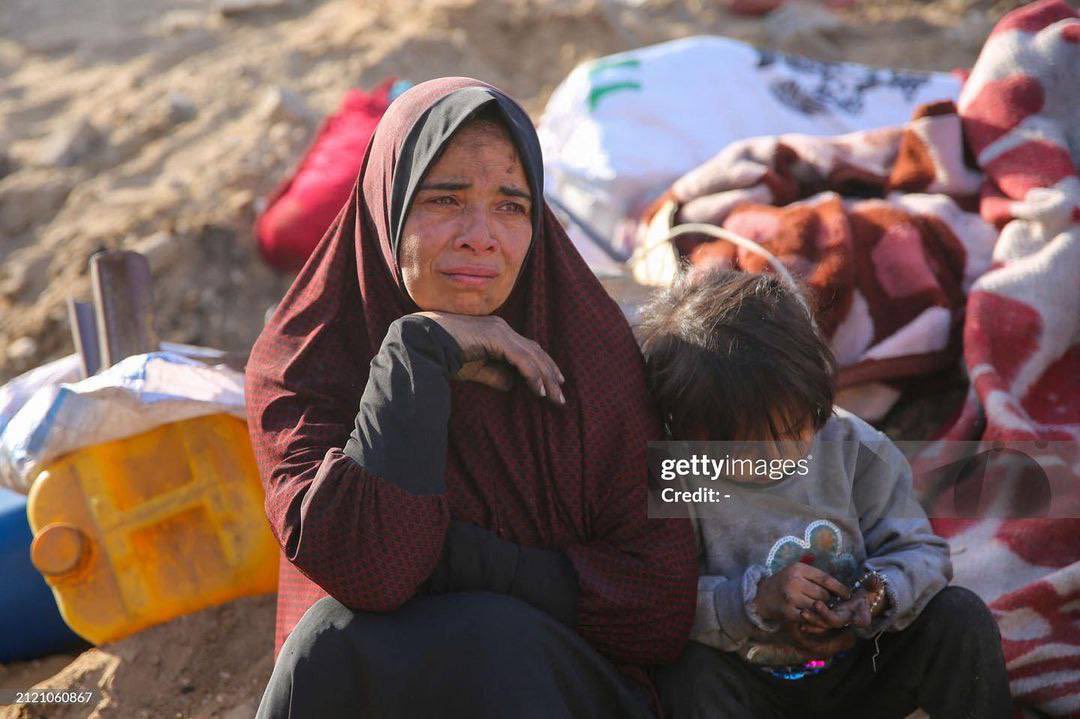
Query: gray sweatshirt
{"x": 852, "y": 511}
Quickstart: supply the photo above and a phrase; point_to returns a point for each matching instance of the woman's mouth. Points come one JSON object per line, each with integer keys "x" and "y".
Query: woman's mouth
{"x": 471, "y": 275}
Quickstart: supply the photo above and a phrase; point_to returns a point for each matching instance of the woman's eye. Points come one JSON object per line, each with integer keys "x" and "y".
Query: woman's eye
{"x": 443, "y": 200}
{"x": 516, "y": 207}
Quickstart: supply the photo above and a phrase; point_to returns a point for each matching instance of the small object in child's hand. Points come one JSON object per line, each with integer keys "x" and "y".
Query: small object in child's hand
{"x": 872, "y": 582}
{"x": 835, "y": 600}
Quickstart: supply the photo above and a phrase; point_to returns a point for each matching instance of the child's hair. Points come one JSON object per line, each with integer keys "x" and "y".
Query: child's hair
{"x": 737, "y": 355}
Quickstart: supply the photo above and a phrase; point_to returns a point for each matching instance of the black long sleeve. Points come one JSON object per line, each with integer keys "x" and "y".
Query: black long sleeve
{"x": 368, "y": 525}
{"x": 400, "y": 432}
{"x": 476, "y": 559}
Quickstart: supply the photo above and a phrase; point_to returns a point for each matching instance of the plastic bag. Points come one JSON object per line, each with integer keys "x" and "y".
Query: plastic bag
{"x": 619, "y": 130}
{"x": 135, "y": 395}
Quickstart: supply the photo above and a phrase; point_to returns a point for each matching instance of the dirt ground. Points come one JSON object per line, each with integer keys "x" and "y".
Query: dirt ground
{"x": 214, "y": 663}
{"x": 160, "y": 124}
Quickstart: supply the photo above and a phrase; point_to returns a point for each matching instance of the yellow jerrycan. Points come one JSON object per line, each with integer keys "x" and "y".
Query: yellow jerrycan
{"x": 138, "y": 531}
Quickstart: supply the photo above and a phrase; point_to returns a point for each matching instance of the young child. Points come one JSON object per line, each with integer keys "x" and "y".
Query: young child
{"x": 822, "y": 592}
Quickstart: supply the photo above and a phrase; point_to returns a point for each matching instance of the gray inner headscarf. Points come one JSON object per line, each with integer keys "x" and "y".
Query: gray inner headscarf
{"x": 433, "y": 130}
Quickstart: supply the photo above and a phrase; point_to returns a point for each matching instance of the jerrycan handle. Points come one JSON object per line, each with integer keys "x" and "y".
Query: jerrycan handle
{"x": 124, "y": 302}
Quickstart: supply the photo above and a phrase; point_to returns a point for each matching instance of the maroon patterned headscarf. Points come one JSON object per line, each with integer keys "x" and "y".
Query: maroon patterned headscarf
{"x": 571, "y": 477}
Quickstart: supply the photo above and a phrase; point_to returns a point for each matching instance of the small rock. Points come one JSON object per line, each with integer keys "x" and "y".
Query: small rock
{"x": 181, "y": 108}
{"x": 70, "y": 144}
{"x": 161, "y": 250}
{"x": 282, "y": 104}
{"x": 22, "y": 351}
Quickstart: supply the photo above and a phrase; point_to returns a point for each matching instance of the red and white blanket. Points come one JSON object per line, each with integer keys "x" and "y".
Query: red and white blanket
{"x": 953, "y": 238}
{"x": 1021, "y": 117}
{"x": 879, "y": 225}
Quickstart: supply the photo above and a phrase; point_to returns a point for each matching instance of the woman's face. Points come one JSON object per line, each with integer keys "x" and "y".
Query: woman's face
{"x": 469, "y": 227}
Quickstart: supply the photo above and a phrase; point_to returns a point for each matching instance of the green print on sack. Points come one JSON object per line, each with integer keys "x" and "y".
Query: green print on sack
{"x": 600, "y": 87}
{"x": 821, "y": 546}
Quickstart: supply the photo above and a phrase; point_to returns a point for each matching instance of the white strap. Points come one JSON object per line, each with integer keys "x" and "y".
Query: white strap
{"x": 744, "y": 242}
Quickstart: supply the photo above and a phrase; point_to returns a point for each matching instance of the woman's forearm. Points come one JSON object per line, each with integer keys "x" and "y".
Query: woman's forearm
{"x": 401, "y": 425}
{"x": 476, "y": 559}
{"x": 368, "y": 543}
{"x": 370, "y": 526}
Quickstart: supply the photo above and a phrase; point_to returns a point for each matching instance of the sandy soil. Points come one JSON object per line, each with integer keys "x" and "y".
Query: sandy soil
{"x": 157, "y": 124}
{"x": 214, "y": 663}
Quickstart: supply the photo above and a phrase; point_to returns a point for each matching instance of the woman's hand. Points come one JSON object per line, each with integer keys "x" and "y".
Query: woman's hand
{"x": 488, "y": 344}
{"x": 781, "y": 597}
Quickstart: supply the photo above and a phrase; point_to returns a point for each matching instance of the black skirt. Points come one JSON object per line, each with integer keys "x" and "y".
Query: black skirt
{"x": 470, "y": 655}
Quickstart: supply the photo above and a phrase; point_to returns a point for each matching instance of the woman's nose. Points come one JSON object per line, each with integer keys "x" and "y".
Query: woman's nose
{"x": 476, "y": 234}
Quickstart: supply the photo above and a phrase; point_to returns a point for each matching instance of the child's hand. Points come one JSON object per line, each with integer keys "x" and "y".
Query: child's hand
{"x": 868, "y": 602}
{"x": 853, "y": 612}
{"x": 820, "y": 646}
{"x": 783, "y": 596}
